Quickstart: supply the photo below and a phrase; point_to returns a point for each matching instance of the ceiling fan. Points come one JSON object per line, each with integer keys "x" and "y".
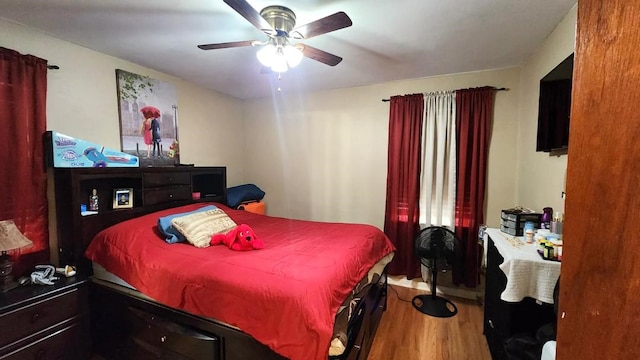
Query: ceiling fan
{"x": 278, "y": 52}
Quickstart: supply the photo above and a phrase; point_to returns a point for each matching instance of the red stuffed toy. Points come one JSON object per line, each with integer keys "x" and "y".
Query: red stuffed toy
{"x": 240, "y": 238}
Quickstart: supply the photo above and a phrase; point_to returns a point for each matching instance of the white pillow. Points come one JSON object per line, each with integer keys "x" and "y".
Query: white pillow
{"x": 199, "y": 227}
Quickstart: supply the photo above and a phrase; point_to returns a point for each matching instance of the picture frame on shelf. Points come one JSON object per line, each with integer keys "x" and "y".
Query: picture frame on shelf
{"x": 123, "y": 198}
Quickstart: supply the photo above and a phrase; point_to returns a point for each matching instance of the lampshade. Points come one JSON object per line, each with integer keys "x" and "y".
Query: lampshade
{"x": 266, "y": 55}
{"x": 11, "y": 238}
{"x": 293, "y": 55}
{"x": 279, "y": 64}
{"x": 279, "y": 55}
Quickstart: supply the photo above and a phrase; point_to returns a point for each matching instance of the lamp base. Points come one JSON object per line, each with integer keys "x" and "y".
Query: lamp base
{"x": 6, "y": 279}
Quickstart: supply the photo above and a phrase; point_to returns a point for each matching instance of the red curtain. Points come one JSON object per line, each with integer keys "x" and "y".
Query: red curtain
{"x": 23, "y": 180}
{"x": 474, "y": 112}
{"x": 403, "y": 176}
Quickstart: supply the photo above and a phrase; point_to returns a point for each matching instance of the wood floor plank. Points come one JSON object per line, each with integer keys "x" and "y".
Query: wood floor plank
{"x": 407, "y": 334}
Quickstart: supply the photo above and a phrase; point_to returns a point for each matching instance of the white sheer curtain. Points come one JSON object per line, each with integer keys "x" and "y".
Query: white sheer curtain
{"x": 438, "y": 174}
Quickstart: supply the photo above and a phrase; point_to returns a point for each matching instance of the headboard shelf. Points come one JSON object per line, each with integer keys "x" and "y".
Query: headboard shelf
{"x": 152, "y": 189}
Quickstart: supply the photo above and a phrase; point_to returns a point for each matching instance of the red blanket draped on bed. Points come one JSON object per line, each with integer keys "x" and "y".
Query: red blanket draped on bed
{"x": 285, "y": 295}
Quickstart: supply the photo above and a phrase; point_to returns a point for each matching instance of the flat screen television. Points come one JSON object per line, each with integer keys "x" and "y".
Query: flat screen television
{"x": 554, "y": 108}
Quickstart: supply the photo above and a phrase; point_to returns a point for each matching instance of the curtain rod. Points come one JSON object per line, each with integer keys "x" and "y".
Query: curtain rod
{"x": 53, "y": 67}
{"x": 497, "y": 89}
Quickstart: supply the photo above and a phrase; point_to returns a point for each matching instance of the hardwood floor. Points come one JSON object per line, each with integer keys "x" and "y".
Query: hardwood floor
{"x": 407, "y": 334}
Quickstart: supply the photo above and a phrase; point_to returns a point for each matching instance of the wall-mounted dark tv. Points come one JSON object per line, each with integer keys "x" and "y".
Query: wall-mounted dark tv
{"x": 554, "y": 108}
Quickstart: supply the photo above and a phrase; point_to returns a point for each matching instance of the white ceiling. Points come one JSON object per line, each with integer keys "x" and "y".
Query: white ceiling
{"x": 389, "y": 40}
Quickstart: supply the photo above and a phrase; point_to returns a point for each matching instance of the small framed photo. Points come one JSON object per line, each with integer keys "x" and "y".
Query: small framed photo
{"x": 123, "y": 198}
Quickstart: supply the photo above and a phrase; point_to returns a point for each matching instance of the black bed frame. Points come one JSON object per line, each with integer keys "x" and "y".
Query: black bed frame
{"x": 126, "y": 325}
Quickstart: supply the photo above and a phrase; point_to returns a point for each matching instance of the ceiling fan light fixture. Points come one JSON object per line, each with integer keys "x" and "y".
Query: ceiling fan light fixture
{"x": 279, "y": 64}
{"x": 267, "y": 55}
{"x": 279, "y": 24}
{"x": 293, "y": 55}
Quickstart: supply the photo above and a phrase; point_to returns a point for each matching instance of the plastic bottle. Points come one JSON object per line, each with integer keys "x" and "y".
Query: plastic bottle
{"x": 545, "y": 253}
{"x": 541, "y": 244}
{"x": 528, "y": 236}
{"x": 559, "y": 251}
{"x": 547, "y": 215}
{"x": 94, "y": 201}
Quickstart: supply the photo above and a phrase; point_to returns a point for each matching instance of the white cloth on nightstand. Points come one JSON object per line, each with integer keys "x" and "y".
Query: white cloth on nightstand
{"x": 528, "y": 274}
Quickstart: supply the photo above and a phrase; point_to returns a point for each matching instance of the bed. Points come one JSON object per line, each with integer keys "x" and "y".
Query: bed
{"x": 316, "y": 291}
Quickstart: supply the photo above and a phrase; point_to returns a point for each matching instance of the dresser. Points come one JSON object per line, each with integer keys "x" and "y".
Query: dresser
{"x": 46, "y": 322}
{"x": 514, "y": 305}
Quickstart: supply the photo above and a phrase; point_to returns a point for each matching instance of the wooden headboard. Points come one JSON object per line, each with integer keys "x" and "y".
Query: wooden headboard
{"x": 151, "y": 189}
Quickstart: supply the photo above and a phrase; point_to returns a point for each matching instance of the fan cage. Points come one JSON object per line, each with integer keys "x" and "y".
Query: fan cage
{"x": 435, "y": 246}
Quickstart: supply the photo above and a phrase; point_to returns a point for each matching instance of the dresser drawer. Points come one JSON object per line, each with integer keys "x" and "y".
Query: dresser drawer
{"x": 71, "y": 342}
{"x": 161, "y": 337}
{"x": 166, "y": 179}
{"x": 40, "y": 315}
{"x": 141, "y": 350}
{"x": 163, "y": 195}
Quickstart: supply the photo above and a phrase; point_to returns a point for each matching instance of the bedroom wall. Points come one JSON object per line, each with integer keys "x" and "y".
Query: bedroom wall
{"x": 541, "y": 177}
{"x": 323, "y": 156}
{"x": 82, "y": 102}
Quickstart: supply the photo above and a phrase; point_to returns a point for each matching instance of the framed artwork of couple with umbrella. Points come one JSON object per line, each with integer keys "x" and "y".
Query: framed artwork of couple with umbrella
{"x": 148, "y": 119}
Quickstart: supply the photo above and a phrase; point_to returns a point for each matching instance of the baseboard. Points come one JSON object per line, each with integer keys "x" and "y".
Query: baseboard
{"x": 465, "y": 293}
{"x": 400, "y": 280}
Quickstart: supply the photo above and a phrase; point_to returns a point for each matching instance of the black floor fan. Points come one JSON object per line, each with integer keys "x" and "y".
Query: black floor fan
{"x": 435, "y": 246}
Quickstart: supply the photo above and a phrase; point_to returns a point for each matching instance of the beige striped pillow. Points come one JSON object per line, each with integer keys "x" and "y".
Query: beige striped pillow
{"x": 199, "y": 227}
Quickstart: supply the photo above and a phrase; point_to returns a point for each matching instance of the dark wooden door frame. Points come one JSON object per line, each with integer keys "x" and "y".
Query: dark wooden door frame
{"x": 600, "y": 283}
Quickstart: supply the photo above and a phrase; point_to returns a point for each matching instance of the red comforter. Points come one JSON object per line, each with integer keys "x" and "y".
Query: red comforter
{"x": 286, "y": 295}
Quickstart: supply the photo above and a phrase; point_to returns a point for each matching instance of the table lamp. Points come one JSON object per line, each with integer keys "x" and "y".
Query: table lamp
{"x": 10, "y": 239}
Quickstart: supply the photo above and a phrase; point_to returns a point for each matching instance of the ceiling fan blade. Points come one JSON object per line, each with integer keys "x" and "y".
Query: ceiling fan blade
{"x": 319, "y": 55}
{"x": 325, "y": 25}
{"x": 252, "y": 15}
{"x": 226, "y": 45}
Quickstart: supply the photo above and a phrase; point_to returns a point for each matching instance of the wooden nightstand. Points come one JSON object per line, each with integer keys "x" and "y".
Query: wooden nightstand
{"x": 46, "y": 322}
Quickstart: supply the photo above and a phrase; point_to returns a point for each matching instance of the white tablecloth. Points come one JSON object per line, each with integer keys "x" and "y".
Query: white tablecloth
{"x": 528, "y": 274}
